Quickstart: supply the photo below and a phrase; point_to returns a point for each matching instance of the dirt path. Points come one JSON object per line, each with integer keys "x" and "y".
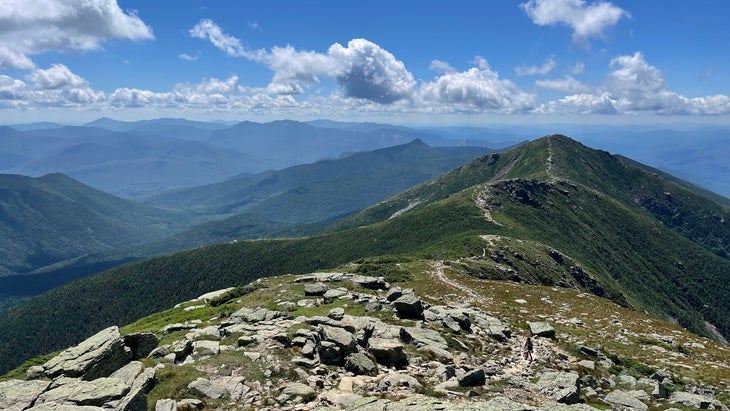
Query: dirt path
{"x": 549, "y": 169}
{"x": 470, "y": 296}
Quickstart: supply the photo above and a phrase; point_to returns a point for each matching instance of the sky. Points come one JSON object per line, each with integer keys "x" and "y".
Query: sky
{"x": 407, "y": 62}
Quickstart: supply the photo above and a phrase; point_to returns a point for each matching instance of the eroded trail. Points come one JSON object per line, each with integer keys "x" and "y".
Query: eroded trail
{"x": 470, "y": 296}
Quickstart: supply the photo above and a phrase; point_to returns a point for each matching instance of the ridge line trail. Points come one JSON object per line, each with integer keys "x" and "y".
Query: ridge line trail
{"x": 441, "y": 276}
{"x": 549, "y": 169}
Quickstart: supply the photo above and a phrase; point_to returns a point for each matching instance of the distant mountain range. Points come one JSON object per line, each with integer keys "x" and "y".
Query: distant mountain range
{"x": 550, "y": 212}
{"x": 55, "y": 236}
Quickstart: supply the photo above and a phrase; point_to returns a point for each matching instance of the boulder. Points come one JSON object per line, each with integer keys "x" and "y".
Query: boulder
{"x": 395, "y": 380}
{"x": 393, "y": 294}
{"x": 96, "y": 392}
{"x": 504, "y": 404}
{"x": 208, "y": 388}
{"x": 360, "y": 364}
{"x": 165, "y": 405}
{"x": 409, "y": 306}
{"x": 625, "y": 400}
{"x": 98, "y": 356}
{"x": 17, "y": 395}
{"x": 315, "y": 290}
{"x": 254, "y": 315}
{"x": 422, "y": 336}
{"x": 334, "y": 294}
{"x": 387, "y": 352}
{"x": 541, "y": 329}
{"x": 560, "y": 386}
{"x": 694, "y": 400}
{"x": 336, "y": 313}
{"x": 473, "y": 378}
{"x": 493, "y": 327}
{"x": 345, "y": 340}
{"x": 294, "y": 389}
{"x": 129, "y": 372}
{"x": 330, "y": 353}
{"x": 372, "y": 283}
{"x": 181, "y": 349}
{"x": 189, "y": 404}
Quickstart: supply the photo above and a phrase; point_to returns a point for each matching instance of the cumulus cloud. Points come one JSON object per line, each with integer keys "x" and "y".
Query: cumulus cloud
{"x": 567, "y": 85}
{"x": 362, "y": 68}
{"x": 634, "y": 86}
{"x": 29, "y": 27}
{"x": 586, "y": 20}
{"x": 370, "y": 72}
{"x": 188, "y": 57}
{"x": 533, "y": 70}
{"x": 477, "y": 89}
{"x": 56, "y": 77}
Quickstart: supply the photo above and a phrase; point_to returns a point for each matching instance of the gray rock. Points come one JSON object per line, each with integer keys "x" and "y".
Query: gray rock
{"x": 160, "y": 351}
{"x": 246, "y": 340}
{"x": 165, "y": 405}
{"x": 98, "y": 356}
{"x": 336, "y": 313}
{"x": 35, "y": 372}
{"x": 393, "y": 294}
{"x": 560, "y": 386}
{"x": 588, "y": 351}
{"x": 208, "y": 388}
{"x": 330, "y": 353}
{"x": 295, "y": 389}
{"x": 141, "y": 344}
{"x": 371, "y": 306}
{"x": 181, "y": 349}
{"x": 360, "y": 364}
{"x": 96, "y": 392}
{"x": 694, "y": 400}
{"x": 461, "y": 317}
{"x": 254, "y": 315}
{"x": 316, "y": 289}
{"x": 189, "y": 404}
{"x": 409, "y": 306}
{"x": 345, "y": 340}
{"x": 437, "y": 353}
{"x": 372, "y": 283}
{"x": 171, "y": 328}
{"x": 65, "y": 407}
{"x": 492, "y": 326}
{"x": 398, "y": 380}
{"x": 626, "y": 400}
{"x": 387, "y": 352}
{"x": 309, "y": 349}
{"x": 451, "y": 324}
{"x": 422, "y": 336}
{"x": 203, "y": 346}
{"x": 591, "y": 365}
{"x": 129, "y": 372}
{"x": 473, "y": 378}
{"x": 541, "y": 329}
{"x": 135, "y": 399}
{"x": 17, "y": 395}
{"x": 334, "y": 294}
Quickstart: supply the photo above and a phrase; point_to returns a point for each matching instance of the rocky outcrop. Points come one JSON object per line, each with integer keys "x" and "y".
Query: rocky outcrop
{"x": 384, "y": 358}
{"x": 96, "y": 357}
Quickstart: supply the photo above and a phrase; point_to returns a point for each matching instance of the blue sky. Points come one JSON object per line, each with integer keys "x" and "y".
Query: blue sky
{"x": 456, "y": 62}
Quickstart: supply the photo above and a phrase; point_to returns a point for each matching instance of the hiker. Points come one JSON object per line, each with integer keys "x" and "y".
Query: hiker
{"x": 527, "y": 349}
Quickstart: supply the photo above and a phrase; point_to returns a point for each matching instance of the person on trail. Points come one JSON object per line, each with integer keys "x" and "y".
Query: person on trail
{"x": 527, "y": 349}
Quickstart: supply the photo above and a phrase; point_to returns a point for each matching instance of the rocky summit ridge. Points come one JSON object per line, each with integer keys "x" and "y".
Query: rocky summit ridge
{"x": 341, "y": 340}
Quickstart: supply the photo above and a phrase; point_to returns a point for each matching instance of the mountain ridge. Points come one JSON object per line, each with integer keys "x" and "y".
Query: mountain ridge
{"x": 636, "y": 259}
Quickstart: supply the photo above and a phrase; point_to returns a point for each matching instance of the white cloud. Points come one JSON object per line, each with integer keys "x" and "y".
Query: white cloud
{"x": 188, "y": 57}
{"x": 29, "y": 27}
{"x": 362, "y": 68}
{"x": 56, "y": 77}
{"x": 567, "y": 85}
{"x": 542, "y": 70}
{"x": 370, "y": 72}
{"x": 634, "y": 86}
{"x": 206, "y": 29}
{"x": 476, "y": 89}
{"x": 441, "y": 66}
{"x": 586, "y": 20}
